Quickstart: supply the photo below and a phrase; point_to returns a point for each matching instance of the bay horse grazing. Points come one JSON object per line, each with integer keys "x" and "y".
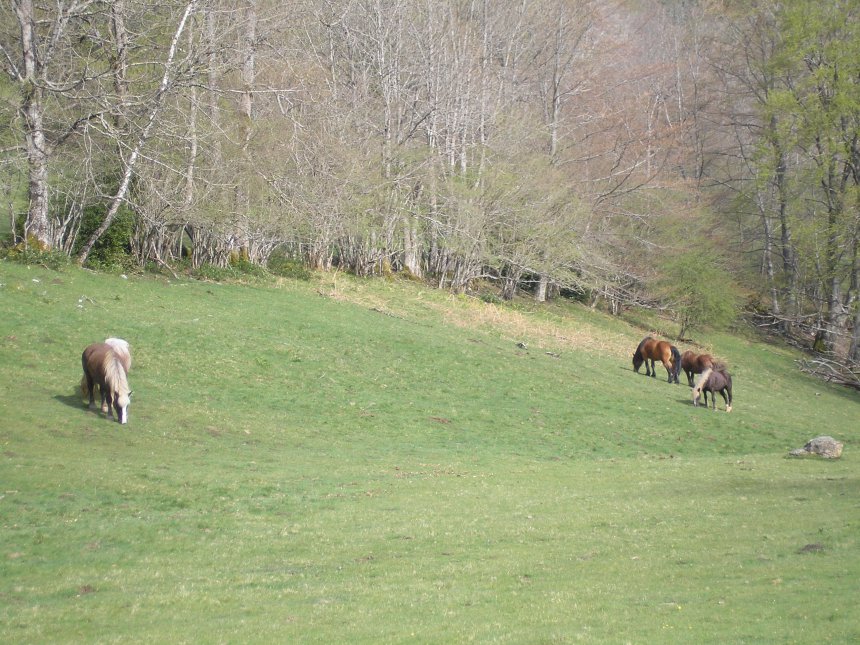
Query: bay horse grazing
{"x": 105, "y": 365}
{"x": 693, "y": 363}
{"x": 651, "y": 349}
{"x": 714, "y": 380}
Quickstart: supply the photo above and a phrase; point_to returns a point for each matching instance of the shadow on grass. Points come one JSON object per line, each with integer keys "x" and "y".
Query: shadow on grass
{"x": 721, "y": 405}
{"x": 71, "y": 400}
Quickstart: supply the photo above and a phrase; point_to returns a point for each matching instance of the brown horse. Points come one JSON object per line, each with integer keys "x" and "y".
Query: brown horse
{"x": 651, "y": 349}
{"x": 693, "y": 363}
{"x": 105, "y": 364}
{"x": 714, "y": 380}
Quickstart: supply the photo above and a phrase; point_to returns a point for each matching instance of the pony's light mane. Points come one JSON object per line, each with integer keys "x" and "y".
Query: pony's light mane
{"x": 122, "y": 349}
{"x": 115, "y": 373}
{"x": 701, "y": 382}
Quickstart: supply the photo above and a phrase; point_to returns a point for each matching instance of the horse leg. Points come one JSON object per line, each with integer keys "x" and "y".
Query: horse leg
{"x": 726, "y": 400}
{"x": 104, "y": 398}
{"x": 653, "y": 371}
{"x": 90, "y": 386}
{"x": 111, "y": 395}
{"x": 689, "y": 374}
{"x": 668, "y": 367}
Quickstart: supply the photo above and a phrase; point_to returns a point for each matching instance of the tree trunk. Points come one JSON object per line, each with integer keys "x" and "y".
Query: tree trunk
{"x": 119, "y": 61}
{"x": 789, "y": 263}
{"x": 542, "y": 288}
{"x": 854, "y": 349}
{"x": 511, "y": 282}
{"x": 411, "y": 246}
{"x": 767, "y": 261}
{"x": 38, "y": 224}
{"x": 241, "y": 230}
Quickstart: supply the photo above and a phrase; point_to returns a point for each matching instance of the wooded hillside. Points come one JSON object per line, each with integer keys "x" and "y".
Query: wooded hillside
{"x": 691, "y": 156}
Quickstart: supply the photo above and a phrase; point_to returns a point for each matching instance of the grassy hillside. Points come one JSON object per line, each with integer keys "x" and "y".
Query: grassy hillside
{"x": 351, "y": 461}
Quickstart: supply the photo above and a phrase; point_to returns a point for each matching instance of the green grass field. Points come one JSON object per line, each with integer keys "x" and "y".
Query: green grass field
{"x": 375, "y": 462}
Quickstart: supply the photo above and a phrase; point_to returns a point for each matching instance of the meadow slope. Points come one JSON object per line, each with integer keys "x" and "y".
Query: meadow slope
{"x": 368, "y": 461}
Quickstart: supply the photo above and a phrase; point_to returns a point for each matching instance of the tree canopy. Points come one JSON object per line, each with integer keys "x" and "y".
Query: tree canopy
{"x": 549, "y": 147}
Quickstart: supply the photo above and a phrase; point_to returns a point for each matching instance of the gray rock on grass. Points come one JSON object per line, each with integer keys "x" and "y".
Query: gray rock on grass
{"x": 825, "y": 446}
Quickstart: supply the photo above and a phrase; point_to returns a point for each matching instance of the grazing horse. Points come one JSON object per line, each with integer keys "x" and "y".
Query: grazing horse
{"x": 651, "y": 349}
{"x": 714, "y": 380}
{"x": 105, "y": 365}
{"x": 693, "y": 363}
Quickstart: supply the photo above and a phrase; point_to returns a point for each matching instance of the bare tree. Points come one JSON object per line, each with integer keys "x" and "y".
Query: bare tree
{"x": 32, "y": 60}
{"x": 154, "y": 111}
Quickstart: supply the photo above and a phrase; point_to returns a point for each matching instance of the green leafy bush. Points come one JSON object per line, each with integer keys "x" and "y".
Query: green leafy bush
{"x": 286, "y": 267}
{"x": 34, "y": 254}
{"x": 703, "y": 294}
{"x": 112, "y": 252}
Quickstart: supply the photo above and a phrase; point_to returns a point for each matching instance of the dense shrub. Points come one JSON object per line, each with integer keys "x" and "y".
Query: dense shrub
{"x": 112, "y": 252}
{"x": 286, "y": 267}
{"x": 33, "y": 253}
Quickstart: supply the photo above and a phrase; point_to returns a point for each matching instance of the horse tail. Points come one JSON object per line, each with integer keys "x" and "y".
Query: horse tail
{"x": 719, "y": 366}
{"x": 728, "y": 391}
{"x": 85, "y": 389}
{"x": 676, "y": 359}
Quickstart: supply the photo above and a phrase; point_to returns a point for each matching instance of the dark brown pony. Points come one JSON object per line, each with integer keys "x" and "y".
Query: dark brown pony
{"x": 651, "y": 349}
{"x": 714, "y": 380}
{"x": 106, "y": 365}
{"x": 693, "y": 363}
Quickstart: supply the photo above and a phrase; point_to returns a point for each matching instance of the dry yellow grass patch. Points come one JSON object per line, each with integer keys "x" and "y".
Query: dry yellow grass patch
{"x": 472, "y": 313}
{"x": 523, "y": 327}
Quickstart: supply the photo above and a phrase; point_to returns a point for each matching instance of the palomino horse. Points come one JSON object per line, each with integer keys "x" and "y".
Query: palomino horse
{"x": 693, "y": 363}
{"x": 714, "y": 380}
{"x": 664, "y": 351}
{"x": 106, "y": 365}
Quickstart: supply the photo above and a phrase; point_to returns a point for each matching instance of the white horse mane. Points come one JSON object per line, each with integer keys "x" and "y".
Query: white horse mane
{"x": 701, "y": 382}
{"x": 122, "y": 348}
{"x": 115, "y": 374}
